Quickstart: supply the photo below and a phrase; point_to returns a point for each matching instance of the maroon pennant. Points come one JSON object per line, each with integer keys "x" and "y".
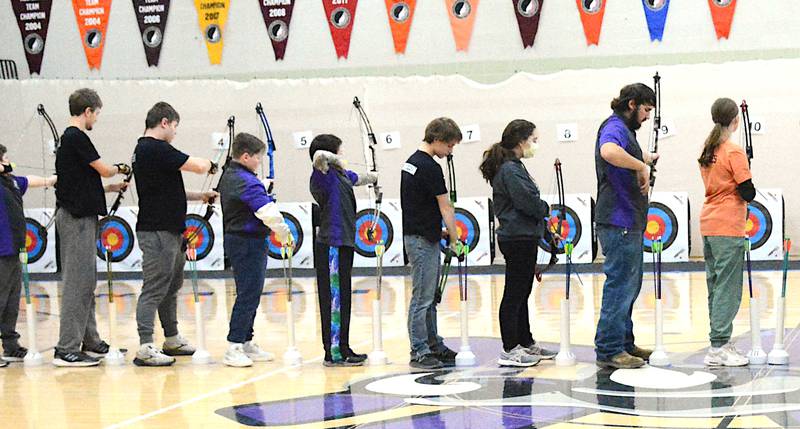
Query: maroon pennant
{"x": 277, "y": 16}
{"x": 528, "y": 12}
{"x": 152, "y": 18}
{"x": 33, "y": 18}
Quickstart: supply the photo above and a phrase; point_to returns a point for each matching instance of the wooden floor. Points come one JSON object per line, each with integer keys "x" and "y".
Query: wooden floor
{"x": 270, "y": 394}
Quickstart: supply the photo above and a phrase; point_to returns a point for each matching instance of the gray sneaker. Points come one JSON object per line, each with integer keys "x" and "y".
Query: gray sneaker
{"x": 149, "y": 355}
{"x": 542, "y": 353}
{"x": 178, "y": 346}
{"x": 518, "y": 356}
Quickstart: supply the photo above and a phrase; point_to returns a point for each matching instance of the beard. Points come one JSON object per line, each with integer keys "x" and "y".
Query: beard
{"x": 632, "y": 120}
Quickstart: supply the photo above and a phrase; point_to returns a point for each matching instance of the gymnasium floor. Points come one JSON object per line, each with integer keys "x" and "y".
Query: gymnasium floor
{"x": 312, "y": 396}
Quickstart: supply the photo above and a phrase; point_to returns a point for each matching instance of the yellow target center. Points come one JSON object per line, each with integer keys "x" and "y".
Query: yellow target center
{"x": 652, "y": 227}
{"x": 28, "y": 241}
{"x": 748, "y": 226}
{"x": 112, "y": 239}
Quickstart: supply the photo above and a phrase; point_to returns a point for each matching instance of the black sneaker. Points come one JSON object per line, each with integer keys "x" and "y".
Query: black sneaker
{"x": 15, "y": 355}
{"x": 73, "y": 359}
{"x": 100, "y": 350}
{"x": 356, "y": 356}
{"x": 347, "y": 361}
{"x": 428, "y": 361}
{"x": 447, "y": 357}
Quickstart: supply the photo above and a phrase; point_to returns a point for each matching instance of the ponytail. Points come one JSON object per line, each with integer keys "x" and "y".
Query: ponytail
{"x": 723, "y": 112}
{"x": 493, "y": 158}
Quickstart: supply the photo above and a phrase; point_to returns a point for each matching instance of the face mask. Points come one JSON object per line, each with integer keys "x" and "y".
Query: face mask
{"x": 531, "y": 150}
{"x": 8, "y": 168}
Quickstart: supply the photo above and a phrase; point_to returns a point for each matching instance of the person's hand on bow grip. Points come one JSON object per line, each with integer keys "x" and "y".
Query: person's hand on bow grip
{"x": 123, "y": 168}
{"x": 459, "y": 249}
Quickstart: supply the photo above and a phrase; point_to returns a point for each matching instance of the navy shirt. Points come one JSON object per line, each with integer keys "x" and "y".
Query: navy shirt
{"x": 333, "y": 192}
{"x": 619, "y": 201}
{"x": 79, "y": 189}
{"x": 159, "y": 185}
{"x": 421, "y": 182}
{"x": 12, "y": 217}
{"x": 242, "y": 194}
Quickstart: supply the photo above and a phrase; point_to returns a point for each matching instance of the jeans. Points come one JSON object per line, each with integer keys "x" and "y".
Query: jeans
{"x": 423, "y": 256}
{"x": 623, "y": 269}
{"x": 515, "y": 327}
{"x": 248, "y": 256}
{"x": 724, "y": 260}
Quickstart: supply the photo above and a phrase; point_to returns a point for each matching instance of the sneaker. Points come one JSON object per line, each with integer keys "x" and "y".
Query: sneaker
{"x": 15, "y": 355}
{"x": 428, "y": 361}
{"x": 98, "y": 351}
{"x": 361, "y": 356}
{"x": 73, "y": 359}
{"x": 347, "y": 361}
{"x": 177, "y": 346}
{"x": 236, "y": 356}
{"x": 254, "y": 352}
{"x": 518, "y": 356}
{"x": 643, "y": 354}
{"x": 149, "y": 355}
{"x": 447, "y": 357}
{"x": 621, "y": 361}
{"x": 542, "y": 353}
{"x": 3, "y": 363}
{"x": 726, "y": 355}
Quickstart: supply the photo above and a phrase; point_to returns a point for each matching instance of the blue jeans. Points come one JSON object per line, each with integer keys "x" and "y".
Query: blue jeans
{"x": 623, "y": 269}
{"x": 248, "y": 256}
{"x": 423, "y": 256}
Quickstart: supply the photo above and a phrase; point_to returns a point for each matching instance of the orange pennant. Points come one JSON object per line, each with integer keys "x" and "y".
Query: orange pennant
{"x": 722, "y": 15}
{"x": 92, "y": 17}
{"x": 462, "y": 19}
{"x": 400, "y": 12}
{"x": 592, "y": 19}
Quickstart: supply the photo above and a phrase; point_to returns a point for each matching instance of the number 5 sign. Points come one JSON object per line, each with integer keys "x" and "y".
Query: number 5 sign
{"x": 567, "y": 132}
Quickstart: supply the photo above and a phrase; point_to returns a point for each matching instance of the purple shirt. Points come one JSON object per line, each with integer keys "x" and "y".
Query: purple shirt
{"x": 12, "y": 217}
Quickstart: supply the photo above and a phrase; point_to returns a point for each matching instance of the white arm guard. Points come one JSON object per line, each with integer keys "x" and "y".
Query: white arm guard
{"x": 271, "y": 216}
{"x": 366, "y": 179}
{"x": 323, "y": 160}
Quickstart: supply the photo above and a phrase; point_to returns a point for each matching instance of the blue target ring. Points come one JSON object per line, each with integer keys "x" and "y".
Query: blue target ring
{"x": 116, "y": 233}
{"x": 35, "y": 239}
{"x": 274, "y": 246}
{"x": 384, "y": 231}
{"x": 661, "y": 222}
{"x": 468, "y": 229}
{"x": 759, "y": 224}
{"x": 201, "y": 233}
{"x": 571, "y": 228}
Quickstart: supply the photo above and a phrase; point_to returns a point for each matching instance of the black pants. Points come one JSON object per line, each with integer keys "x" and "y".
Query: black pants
{"x": 520, "y": 264}
{"x": 334, "y": 331}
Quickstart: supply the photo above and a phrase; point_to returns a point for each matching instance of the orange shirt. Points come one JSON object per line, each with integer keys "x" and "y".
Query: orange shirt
{"x": 724, "y": 211}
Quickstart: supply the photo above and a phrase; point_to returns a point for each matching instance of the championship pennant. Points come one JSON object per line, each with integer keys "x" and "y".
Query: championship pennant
{"x": 401, "y": 13}
{"x": 528, "y": 12}
{"x": 152, "y": 18}
{"x": 33, "y": 18}
{"x": 592, "y": 19}
{"x": 462, "y": 19}
{"x": 212, "y": 15}
{"x": 92, "y": 17}
{"x": 277, "y": 16}
{"x": 340, "y": 14}
{"x": 722, "y": 14}
{"x": 655, "y": 12}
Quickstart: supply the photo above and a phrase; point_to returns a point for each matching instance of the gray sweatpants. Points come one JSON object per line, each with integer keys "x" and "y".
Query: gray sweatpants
{"x": 724, "y": 262}
{"x": 162, "y": 274}
{"x": 77, "y": 237}
{"x": 10, "y": 287}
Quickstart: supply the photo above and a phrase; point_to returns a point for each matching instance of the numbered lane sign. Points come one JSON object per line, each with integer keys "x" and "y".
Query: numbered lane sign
{"x": 471, "y": 133}
{"x": 390, "y": 140}
{"x": 302, "y": 139}
{"x": 567, "y": 132}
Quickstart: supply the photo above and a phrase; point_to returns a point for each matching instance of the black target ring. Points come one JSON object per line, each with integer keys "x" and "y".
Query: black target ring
{"x": 384, "y": 231}
{"x": 116, "y": 233}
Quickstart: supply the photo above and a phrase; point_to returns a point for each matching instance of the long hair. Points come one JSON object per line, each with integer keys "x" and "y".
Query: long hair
{"x": 516, "y": 132}
{"x": 723, "y": 112}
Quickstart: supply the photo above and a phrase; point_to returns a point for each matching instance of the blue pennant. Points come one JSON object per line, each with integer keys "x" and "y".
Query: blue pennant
{"x": 655, "y": 11}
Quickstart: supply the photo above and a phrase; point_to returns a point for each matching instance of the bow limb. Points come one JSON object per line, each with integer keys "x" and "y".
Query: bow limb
{"x": 653, "y": 147}
{"x": 56, "y": 144}
{"x": 371, "y": 143}
{"x": 270, "y": 147}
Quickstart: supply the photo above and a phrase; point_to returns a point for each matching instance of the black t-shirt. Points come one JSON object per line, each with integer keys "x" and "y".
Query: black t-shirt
{"x": 79, "y": 189}
{"x": 421, "y": 182}
{"x": 159, "y": 185}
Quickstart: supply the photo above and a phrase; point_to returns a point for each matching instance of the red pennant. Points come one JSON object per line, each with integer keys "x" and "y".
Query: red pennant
{"x": 462, "y": 15}
{"x": 33, "y": 18}
{"x": 92, "y": 17}
{"x": 152, "y": 18}
{"x": 401, "y": 13}
{"x": 592, "y": 12}
{"x": 722, "y": 14}
{"x": 528, "y": 12}
{"x": 341, "y": 14}
{"x": 277, "y": 16}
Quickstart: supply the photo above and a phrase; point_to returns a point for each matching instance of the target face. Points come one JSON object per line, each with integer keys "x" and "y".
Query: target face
{"x": 296, "y": 230}
{"x": 201, "y": 233}
{"x": 384, "y": 231}
{"x": 661, "y": 222}
{"x": 467, "y": 229}
{"x": 116, "y": 233}
{"x": 571, "y": 228}
{"x": 35, "y": 240}
{"x": 759, "y": 224}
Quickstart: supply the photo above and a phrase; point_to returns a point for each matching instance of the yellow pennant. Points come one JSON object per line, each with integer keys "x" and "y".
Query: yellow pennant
{"x": 212, "y": 15}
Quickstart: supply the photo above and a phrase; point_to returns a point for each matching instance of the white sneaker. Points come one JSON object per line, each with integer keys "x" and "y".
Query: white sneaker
{"x": 236, "y": 357}
{"x": 149, "y": 355}
{"x": 254, "y": 352}
{"x": 518, "y": 356}
{"x": 726, "y": 355}
{"x": 177, "y": 346}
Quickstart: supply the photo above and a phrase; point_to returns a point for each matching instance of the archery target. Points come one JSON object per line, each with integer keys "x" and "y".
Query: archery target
{"x": 668, "y": 218}
{"x": 39, "y": 242}
{"x": 116, "y": 234}
{"x": 118, "y": 231}
{"x": 472, "y": 224}
{"x": 207, "y": 240}
{"x": 388, "y": 229}
{"x": 298, "y": 218}
{"x": 765, "y": 225}
{"x": 578, "y": 214}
